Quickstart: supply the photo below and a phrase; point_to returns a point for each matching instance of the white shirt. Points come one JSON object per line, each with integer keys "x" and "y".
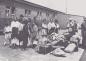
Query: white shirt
{"x": 51, "y": 25}
{"x": 8, "y": 29}
{"x": 17, "y": 25}
{"x": 44, "y": 25}
{"x": 21, "y": 27}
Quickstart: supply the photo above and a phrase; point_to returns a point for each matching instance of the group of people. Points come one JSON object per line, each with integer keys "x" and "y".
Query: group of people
{"x": 23, "y": 31}
{"x": 15, "y": 31}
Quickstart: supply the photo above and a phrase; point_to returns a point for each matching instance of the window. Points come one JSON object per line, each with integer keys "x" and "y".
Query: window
{"x": 7, "y": 7}
{"x": 12, "y": 10}
{"x": 47, "y": 14}
{"x": 29, "y": 11}
{"x": 26, "y": 11}
{"x": 7, "y": 11}
{"x": 39, "y": 13}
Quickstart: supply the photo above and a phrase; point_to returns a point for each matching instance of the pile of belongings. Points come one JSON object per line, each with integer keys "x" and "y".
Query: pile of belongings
{"x": 42, "y": 46}
{"x": 58, "y": 52}
{"x": 73, "y": 44}
{"x": 47, "y": 44}
{"x": 57, "y": 37}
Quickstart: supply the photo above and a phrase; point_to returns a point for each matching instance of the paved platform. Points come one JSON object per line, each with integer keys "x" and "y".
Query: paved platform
{"x": 8, "y": 54}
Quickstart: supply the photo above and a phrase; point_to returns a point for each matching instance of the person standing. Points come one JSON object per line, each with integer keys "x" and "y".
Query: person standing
{"x": 51, "y": 27}
{"x": 23, "y": 34}
{"x": 83, "y": 31}
{"x": 45, "y": 27}
{"x": 56, "y": 26}
{"x": 15, "y": 25}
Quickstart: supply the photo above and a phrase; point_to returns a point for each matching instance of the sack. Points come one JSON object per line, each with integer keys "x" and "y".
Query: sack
{"x": 70, "y": 48}
{"x": 58, "y": 52}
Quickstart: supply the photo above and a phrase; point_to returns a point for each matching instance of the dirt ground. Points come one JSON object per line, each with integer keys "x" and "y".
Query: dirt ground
{"x": 8, "y": 54}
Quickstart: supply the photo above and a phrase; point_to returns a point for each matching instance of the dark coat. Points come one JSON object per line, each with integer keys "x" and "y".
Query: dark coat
{"x": 83, "y": 30}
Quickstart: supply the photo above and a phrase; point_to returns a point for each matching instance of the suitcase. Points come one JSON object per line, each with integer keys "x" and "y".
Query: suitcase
{"x": 45, "y": 50}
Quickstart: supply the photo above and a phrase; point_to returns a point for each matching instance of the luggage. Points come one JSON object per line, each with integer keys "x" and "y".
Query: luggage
{"x": 58, "y": 52}
{"x": 45, "y": 50}
{"x": 70, "y": 48}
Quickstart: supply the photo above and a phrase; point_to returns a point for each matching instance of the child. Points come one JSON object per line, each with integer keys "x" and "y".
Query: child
{"x": 7, "y": 31}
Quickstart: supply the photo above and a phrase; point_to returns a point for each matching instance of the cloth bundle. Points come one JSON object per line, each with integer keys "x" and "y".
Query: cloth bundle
{"x": 58, "y": 52}
{"x": 70, "y": 48}
{"x": 15, "y": 41}
{"x": 56, "y": 37}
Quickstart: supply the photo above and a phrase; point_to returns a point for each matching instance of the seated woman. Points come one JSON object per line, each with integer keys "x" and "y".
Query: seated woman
{"x": 72, "y": 29}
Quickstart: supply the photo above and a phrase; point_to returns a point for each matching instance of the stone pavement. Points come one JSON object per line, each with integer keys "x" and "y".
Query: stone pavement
{"x": 8, "y": 54}
{"x": 38, "y": 57}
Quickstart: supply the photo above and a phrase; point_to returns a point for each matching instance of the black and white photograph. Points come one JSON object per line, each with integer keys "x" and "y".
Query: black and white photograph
{"x": 42, "y": 30}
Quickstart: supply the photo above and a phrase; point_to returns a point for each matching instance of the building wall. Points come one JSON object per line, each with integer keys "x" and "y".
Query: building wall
{"x": 19, "y": 11}
{"x": 2, "y": 11}
{"x": 78, "y": 19}
{"x": 21, "y": 7}
{"x": 62, "y": 19}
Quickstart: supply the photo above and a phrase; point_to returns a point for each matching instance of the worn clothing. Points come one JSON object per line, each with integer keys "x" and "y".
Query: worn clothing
{"x": 83, "y": 30}
{"x": 44, "y": 25}
{"x": 7, "y": 29}
{"x": 14, "y": 33}
{"x": 51, "y": 25}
